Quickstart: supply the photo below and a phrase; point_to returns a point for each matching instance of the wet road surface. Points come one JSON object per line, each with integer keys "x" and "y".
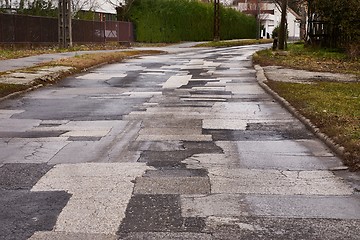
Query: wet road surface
{"x": 176, "y": 146}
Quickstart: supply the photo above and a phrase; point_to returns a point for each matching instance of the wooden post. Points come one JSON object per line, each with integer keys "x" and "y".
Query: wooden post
{"x": 216, "y": 20}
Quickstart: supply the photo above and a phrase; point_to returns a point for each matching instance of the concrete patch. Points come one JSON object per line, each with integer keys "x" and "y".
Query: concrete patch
{"x": 172, "y": 123}
{"x": 71, "y": 236}
{"x": 176, "y": 81}
{"x": 236, "y": 88}
{"x": 86, "y": 133}
{"x": 141, "y": 94}
{"x": 100, "y": 194}
{"x": 166, "y": 235}
{"x": 32, "y": 134}
{"x": 286, "y": 155}
{"x": 251, "y": 181}
{"x": 170, "y": 131}
{"x": 195, "y": 138}
{"x": 203, "y": 99}
{"x": 281, "y": 228}
{"x": 116, "y": 143}
{"x": 176, "y": 173}
{"x": 172, "y": 185}
{"x": 29, "y": 150}
{"x": 199, "y": 161}
{"x": 214, "y": 205}
{"x": 209, "y": 88}
{"x": 156, "y": 146}
{"x": 224, "y": 124}
{"x": 6, "y": 114}
{"x": 84, "y": 138}
{"x": 326, "y": 207}
{"x": 18, "y": 125}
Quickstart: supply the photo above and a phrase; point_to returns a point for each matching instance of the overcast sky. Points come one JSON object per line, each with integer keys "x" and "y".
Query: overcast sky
{"x": 105, "y": 6}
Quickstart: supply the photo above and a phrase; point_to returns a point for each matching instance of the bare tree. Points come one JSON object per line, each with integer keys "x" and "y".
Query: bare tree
{"x": 77, "y": 5}
{"x": 122, "y": 7}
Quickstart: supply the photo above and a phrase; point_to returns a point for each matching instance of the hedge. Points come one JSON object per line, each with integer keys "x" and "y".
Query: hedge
{"x": 186, "y": 20}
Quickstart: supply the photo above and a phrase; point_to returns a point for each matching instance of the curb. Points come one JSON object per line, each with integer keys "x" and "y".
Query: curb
{"x": 15, "y": 94}
{"x": 261, "y": 78}
{"x": 50, "y": 79}
{"x": 40, "y": 82}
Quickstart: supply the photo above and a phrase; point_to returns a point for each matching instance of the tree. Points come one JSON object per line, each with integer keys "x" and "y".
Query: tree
{"x": 122, "y": 8}
{"x": 77, "y": 5}
{"x": 283, "y": 26}
{"x": 340, "y": 19}
{"x": 38, "y": 8}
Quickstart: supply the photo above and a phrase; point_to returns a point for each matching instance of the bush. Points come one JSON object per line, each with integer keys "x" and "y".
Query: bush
{"x": 184, "y": 20}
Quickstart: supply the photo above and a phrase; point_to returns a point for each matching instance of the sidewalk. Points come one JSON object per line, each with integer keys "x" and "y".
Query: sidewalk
{"x": 16, "y": 71}
{"x": 19, "y": 63}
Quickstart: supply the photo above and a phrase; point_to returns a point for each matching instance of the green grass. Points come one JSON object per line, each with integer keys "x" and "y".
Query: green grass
{"x": 234, "y": 43}
{"x": 313, "y": 59}
{"x": 6, "y": 89}
{"x": 333, "y": 107}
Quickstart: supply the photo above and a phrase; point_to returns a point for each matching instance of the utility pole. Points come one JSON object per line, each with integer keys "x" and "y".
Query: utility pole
{"x": 216, "y": 20}
{"x": 64, "y": 21}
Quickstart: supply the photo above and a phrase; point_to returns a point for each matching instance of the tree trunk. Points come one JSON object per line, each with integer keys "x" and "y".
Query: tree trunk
{"x": 282, "y": 28}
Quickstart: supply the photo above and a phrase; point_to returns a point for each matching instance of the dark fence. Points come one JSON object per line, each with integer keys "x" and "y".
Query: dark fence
{"x": 21, "y": 29}
{"x": 323, "y": 33}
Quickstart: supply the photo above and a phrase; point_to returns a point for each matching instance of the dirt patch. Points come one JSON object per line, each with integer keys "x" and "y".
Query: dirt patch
{"x": 278, "y": 73}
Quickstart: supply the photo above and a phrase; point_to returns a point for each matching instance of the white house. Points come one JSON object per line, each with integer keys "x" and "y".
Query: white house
{"x": 270, "y": 16}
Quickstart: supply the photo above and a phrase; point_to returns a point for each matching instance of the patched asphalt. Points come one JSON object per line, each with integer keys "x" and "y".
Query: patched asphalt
{"x": 184, "y": 145}
{"x": 24, "y": 212}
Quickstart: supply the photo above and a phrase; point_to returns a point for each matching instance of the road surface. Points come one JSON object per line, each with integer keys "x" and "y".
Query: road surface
{"x": 175, "y": 146}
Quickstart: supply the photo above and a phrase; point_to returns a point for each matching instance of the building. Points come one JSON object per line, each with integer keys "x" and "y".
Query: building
{"x": 269, "y": 16}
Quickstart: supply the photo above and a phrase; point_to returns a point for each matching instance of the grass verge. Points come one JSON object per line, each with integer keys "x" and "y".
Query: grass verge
{"x": 6, "y": 89}
{"x": 333, "y": 107}
{"x": 82, "y": 62}
{"x": 300, "y": 57}
{"x": 234, "y": 43}
{"x": 19, "y": 53}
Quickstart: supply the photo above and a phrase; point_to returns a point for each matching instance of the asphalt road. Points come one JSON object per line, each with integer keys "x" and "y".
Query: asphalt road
{"x": 177, "y": 146}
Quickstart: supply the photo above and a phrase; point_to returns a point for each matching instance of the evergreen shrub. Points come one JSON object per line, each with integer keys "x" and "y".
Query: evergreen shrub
{"x": 186, "y": 20}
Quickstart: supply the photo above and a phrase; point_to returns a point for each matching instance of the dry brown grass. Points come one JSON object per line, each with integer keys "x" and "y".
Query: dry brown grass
{"x": 81, "y": 62}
